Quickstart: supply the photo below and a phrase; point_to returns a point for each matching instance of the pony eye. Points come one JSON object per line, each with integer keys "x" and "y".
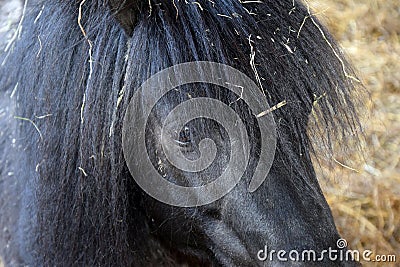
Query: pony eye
{"x": 185, "y": 137}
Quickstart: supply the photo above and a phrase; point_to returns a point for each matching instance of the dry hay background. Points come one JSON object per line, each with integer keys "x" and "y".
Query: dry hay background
{"x": 365, "y": 201}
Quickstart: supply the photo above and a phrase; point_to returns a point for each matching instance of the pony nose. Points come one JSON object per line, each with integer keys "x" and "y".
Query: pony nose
{"x": 228, "y": 245}
{"x": 234, "y": 228}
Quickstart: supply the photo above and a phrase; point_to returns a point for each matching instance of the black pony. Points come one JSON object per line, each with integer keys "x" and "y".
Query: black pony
{"x": 67, "y": 196}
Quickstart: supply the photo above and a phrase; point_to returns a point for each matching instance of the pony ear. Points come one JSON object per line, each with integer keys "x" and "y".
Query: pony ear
{"x": 125, "y": 12}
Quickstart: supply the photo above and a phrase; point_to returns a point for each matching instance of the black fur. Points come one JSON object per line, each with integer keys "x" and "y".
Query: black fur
{"x": 69, "y": 198}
